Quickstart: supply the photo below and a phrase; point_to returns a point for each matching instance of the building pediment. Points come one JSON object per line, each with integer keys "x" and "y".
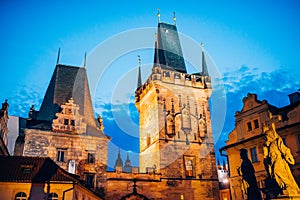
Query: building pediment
{"x": 250, "y": 102}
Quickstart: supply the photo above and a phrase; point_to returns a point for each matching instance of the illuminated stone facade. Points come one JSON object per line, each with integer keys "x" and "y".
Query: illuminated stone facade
{"x": 176, "y": 141}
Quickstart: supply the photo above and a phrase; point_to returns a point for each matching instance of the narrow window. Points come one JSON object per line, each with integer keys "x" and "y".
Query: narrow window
{"x": 66, "y": 122}
{"x": 60, "y": 156}
{"x": 253, "y": 155}
{"x": 52, "y": 196}
{"x": 256, "y": 125}
{"x": 21, "y": 196}
{"x": 90, "y": 180}
{"x": 91, "y": 158}
{"x": 249, "y": 127}
{"x": 148, "y": 140}
{"x": 73, "y": 122}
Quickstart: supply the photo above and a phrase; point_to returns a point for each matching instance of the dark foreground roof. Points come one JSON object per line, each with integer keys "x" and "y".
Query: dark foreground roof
{"x": 24, "y": 169}
{"x": 32, "y": 169}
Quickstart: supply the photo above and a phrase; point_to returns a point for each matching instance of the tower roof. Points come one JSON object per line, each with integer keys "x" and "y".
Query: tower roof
{"x": 139, "y": 82}
{"x": 119, "y": 162}
{"x": 168, "y": 52}
{"x": 67, "y": 82}
{"x": 204, "y": 66}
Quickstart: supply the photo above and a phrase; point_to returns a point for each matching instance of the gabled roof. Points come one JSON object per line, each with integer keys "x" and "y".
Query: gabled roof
{"x": 32, "y": 169}
{"x": 67, "y": 82}
{"x": 168, "y": 52}
{"x": 24, "y": 169}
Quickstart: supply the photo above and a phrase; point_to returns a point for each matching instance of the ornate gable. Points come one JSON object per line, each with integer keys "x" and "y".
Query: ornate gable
{"x": 250, "y": 102}
{"x": 69, "y": 119}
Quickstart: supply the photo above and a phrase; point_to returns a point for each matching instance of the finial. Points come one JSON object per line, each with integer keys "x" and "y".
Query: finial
{"x": 139, "y": 60}
{"x": 139, "y": 82}
{"x": 58, "y": 56}
{"x": 202, "y": 46}
{"x": 158, "y": 14}
{"x": 84, "y": 63}
{"x": 174, "y": 18}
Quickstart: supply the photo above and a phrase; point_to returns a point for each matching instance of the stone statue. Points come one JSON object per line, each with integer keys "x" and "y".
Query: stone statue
{"x": 249, "y": 183}
{"x": 100, "y": 121}
{"x": 277, "y": 158}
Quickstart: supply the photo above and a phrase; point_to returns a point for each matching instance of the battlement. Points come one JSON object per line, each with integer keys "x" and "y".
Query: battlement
{"x": 174, "y": 77}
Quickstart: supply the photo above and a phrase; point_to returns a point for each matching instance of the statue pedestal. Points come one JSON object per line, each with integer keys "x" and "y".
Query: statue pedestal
{"x": 285, "y": 197}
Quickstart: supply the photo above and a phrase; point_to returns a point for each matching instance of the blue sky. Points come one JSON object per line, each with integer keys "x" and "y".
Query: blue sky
{"x": 253, "y": 44}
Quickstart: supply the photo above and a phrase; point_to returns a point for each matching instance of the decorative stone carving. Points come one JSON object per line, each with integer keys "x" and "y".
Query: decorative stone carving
{"x": 69, "y": 120}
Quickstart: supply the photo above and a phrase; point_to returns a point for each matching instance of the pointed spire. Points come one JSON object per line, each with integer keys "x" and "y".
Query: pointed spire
{"x": 158, "y": 14}
{"x": 174, "y": 18}
{"x": 156, "y": 55}
{"x": 58, "y": 56}
{"x": 128, "y": 162}
{"x": 119, "y": 162}
{"x": 139, "y": 83}
{"x": 84, "y": 63}
{"x": 204, "y": 66}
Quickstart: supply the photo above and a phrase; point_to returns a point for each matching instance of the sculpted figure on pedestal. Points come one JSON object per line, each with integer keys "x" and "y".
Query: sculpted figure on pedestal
{"x": 277, "y": 158}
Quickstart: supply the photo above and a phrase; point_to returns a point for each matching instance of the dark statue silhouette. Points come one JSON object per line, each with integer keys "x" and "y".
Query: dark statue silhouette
{"x": 249, "y": 183}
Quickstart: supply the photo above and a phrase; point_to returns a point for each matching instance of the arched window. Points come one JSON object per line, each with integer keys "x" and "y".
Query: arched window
{"x": 52, "y": 196}
{"x": 21, "y": 196}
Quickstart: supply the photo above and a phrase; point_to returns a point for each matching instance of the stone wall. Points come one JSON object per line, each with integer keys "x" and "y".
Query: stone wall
{"x": 156, "y": 186}
{"x": 75, "y": 147}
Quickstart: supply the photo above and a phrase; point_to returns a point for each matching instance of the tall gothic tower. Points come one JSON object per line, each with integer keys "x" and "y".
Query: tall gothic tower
{"x": 175, "y": 126}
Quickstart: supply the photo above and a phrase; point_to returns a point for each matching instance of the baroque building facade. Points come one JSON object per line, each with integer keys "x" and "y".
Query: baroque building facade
{"x": 249, "y": 134}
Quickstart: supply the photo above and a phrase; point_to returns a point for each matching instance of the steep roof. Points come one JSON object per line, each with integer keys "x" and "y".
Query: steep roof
{"x": 67, "y": 82}
{"x": 119, "y": 162}
{"x": 168, "y": 52}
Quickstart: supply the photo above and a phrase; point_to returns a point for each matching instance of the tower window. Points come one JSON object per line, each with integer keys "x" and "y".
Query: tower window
{"x": 21, "y": 196}
{"x": 90, "y": 180}
{"x": 91, "y": 158}
{"x": 189, "y": 165}
{"x": 148, "y": 140}
{"x": 60, "y": 156}
{"x": 256, "y": 125}
{"x": 66, "y": 121}
{"x": 73, "y": 122}
{"x": 249, "y": 127}
{"x": 254, "y": 155}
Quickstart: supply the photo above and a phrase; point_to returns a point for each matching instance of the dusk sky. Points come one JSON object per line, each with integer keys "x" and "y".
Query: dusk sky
{"x": 253, "y": 46}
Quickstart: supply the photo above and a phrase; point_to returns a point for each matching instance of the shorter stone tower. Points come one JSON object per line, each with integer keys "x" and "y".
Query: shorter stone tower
{"x": 66, "y": 130}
